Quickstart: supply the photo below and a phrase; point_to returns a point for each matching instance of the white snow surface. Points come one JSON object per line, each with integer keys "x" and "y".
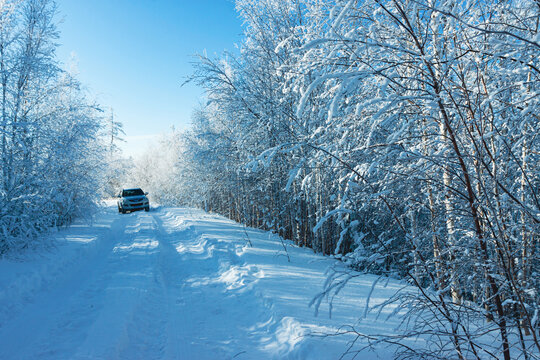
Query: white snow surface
{"x": 178, "y": 283}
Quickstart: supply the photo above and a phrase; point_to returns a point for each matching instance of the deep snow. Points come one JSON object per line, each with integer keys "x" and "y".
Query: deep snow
{"x": 179, "y": 283}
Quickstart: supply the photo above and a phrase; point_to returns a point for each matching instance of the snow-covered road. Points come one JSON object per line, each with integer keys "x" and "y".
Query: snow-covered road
{"x": 177, "y": 284}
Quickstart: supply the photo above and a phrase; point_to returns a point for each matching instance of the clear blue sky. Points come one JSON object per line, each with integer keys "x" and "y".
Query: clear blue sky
{"x": 133, "y": 55}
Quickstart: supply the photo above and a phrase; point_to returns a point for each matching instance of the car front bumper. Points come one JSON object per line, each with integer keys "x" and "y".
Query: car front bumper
{"x": 135, "y": 206}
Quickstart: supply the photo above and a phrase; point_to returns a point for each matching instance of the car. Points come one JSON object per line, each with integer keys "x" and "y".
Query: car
{"x": 132, "y": 200}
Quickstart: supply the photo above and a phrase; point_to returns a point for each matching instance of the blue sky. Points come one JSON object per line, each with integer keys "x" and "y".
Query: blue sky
{"x": 133, "y": 55}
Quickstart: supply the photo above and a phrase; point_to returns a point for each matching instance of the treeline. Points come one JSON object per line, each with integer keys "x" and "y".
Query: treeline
{"x": 49, "y": 132}
{"x": 402, "y": 135}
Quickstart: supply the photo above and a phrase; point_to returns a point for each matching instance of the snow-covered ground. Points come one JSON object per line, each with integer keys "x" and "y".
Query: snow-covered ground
{"x": 179, "y": 283}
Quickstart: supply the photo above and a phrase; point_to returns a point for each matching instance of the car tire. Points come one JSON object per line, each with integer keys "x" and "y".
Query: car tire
{"x": 147, "y": 208}
{"x": 123, "y": 211}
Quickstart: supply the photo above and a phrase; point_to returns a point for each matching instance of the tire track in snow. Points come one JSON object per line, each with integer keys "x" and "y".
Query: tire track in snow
{"x": 84, "y": 327}
{"x": 170, "y": 280}
{"x": 124, "y": 328}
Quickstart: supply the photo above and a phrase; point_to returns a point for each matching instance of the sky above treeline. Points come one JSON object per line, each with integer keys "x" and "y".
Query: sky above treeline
{"x": 134, "y": 55}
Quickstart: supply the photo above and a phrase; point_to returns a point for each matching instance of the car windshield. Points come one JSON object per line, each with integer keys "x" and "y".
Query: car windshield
{"x": 132, "y": 192}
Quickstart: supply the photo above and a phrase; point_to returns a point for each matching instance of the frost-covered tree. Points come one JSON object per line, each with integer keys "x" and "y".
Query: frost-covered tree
{"x": 118, "y": 167}
{"x": 49, "y": 132}
{"x": 157, "y": 170}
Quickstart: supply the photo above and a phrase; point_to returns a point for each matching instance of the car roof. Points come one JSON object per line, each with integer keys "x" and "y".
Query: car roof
{"x": 132, "y": 189}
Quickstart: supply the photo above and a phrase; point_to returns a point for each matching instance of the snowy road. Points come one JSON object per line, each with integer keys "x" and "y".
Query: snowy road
{"x": 175, "y": 284}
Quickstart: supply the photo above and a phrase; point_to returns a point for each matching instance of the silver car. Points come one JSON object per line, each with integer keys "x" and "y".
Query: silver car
{"x": 132, "y": 200}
